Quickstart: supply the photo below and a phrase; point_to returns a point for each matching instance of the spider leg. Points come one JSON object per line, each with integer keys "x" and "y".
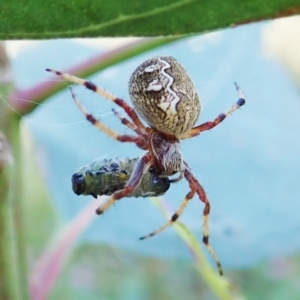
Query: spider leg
{"x": 104, "y": 128}
{"x": 140, "y": 169}
{"x": 91, "y": 86}
{"x": 209, "y": 125}
{"x": 197, "y": 187}
{"x": 130, "y": 125}
{"x": 175, "y": 216}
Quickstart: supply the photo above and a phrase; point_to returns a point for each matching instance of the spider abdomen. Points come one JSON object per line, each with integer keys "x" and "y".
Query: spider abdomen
{"x": 164, "y": 95}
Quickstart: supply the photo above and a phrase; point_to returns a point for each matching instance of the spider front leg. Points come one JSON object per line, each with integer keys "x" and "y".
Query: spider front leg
{"x": 121, "y": 138}
{"x": 133, "y": 127}
{"x": 209, "y": 125}
{"x": 141, "y": 167}
{"x": 197, "y": 187}
{"x": 91, "y": 86}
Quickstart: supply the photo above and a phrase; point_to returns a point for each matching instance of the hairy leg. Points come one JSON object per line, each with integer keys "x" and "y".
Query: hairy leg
{"x": 140, "y": 169}
{"x": 209, "y": 125}
{"x": 175, "y": 216}
{"x": 197, "y": 187}
{"x": 102, "y": 127}
{"x": 91, "y": 86}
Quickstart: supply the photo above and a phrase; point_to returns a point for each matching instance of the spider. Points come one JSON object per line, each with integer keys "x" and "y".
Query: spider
{"x": 164, "y": 96}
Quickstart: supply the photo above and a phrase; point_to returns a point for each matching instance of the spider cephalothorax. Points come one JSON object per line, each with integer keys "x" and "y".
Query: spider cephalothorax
{"x": 164, "y": 96}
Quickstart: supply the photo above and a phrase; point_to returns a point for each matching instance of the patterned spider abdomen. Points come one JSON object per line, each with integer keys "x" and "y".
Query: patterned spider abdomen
{"x": 106, "y": 176}
{"x": 164, "y": 95}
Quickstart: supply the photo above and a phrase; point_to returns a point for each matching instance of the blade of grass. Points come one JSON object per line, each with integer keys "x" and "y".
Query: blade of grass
{"x": 219, "y": 285}
{"x": 8, "y": 274}
{"x": 12, "y": 237}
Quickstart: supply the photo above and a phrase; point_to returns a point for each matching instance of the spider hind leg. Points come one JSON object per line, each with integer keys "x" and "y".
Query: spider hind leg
{"x": 197, "y": 187}
{"x": 175, "y": 216}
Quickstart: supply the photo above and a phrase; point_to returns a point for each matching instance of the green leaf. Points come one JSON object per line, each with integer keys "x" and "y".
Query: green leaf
{"x": 37, "y": 19}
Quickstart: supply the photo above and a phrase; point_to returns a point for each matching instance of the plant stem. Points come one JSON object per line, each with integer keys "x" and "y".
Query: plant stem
{"x": 13, "y": 275}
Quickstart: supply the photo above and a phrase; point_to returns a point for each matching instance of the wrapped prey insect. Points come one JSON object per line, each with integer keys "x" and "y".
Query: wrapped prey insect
{"x": 106, "y": 176}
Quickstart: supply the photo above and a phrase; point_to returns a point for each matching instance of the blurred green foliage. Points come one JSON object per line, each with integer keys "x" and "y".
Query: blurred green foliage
{"x": 35, "y": 19}
{"x": 24, "y": 194}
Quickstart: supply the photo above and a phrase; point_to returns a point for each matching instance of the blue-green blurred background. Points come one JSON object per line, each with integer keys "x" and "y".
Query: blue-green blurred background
{"x": 249, "y": 165}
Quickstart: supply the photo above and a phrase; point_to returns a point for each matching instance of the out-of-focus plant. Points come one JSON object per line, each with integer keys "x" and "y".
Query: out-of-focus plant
{"x": 18, "y": 171}
{"x": 220, "y": 286}
{"x": 17, "y": 178}
{"x": 17, "y": 187}
{"x": 281, "y": 41}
